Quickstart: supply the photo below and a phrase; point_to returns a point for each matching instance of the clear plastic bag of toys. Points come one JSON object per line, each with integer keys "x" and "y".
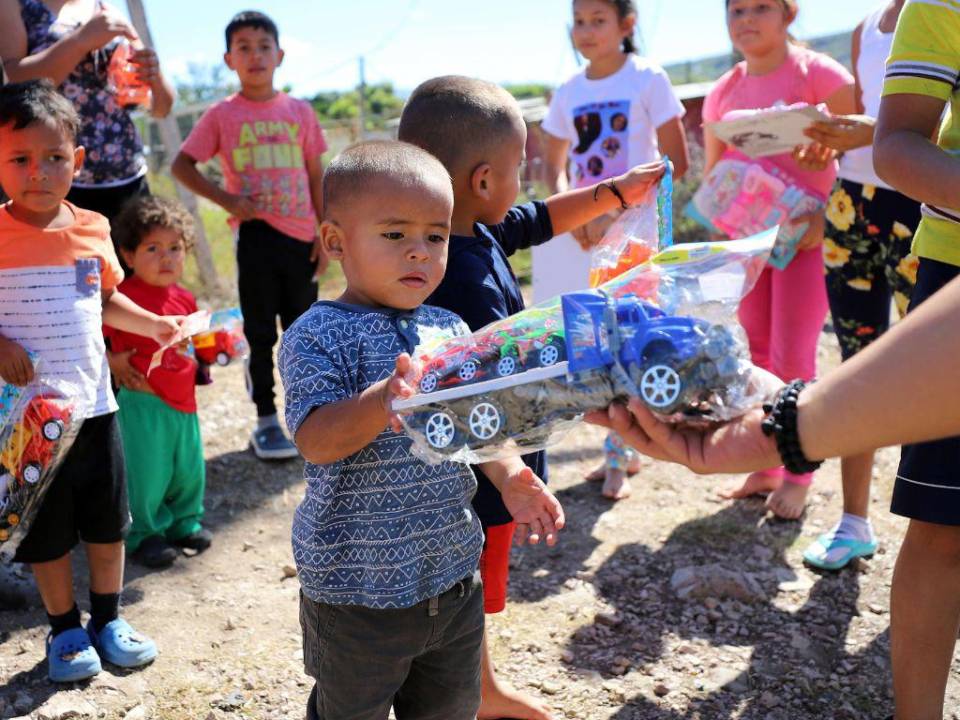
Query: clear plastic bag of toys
{"x": 223, "y": 341}
{"x": 636, "y": 236}
{"x": 665, "y": 332}
{"x": 37, "y": 428}
{"x": 740, "y": 198}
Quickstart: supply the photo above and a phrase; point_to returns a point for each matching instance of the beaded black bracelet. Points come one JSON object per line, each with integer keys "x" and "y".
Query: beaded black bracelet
{"x": 612, "y": 187}
{"x": 781, "y": 423}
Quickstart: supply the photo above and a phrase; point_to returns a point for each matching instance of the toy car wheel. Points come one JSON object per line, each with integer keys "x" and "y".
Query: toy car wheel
{"x": 440, "y": 430}
{"x": 429, "y": 382}
{"x": 4, "y": 535}
{"x": 223, "y": 359}
{"x": 660, "y": 386}
{"x": 52, "y": 430}
{"x": 468, "y": 371}
{"x": 13, "y": 519}
{"x": 31, "y": 473}
{"x": 485, "y": 421}
{"x": 549, "y": 355}
{"x": 507, "y": 365}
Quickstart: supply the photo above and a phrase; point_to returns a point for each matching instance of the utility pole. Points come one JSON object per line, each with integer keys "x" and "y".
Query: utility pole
{"x": 170, "y": 135}
{"x": 362, "y": 101}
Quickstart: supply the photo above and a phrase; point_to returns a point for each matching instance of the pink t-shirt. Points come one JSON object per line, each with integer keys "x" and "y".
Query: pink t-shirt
{"x": 263, "y": 149}
{"x": 805, "y": 77}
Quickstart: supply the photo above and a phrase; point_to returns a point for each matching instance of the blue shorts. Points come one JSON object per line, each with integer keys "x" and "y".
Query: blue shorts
{"x": 928, "y": 480}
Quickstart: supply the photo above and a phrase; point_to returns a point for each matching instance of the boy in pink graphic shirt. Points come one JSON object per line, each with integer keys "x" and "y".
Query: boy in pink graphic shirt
{"x": 269, "y": 146}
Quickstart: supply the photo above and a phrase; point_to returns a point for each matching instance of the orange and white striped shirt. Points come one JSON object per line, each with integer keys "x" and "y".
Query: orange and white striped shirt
{"x": 51, "y": 304}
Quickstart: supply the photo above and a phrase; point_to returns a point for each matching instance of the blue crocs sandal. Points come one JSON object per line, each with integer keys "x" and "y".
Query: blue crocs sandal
{"x": 121, "y": 645}
{"x": 71, "y": 656}
{"x": 829, "y": 552}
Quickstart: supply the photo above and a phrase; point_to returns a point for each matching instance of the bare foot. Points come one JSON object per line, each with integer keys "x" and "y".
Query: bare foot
{"x": 788, "y": 501}
{"x": 615, "y": 485}
{"x": 599, "y": 473}
{"x": 756, "y": 483}
{"x": 504, "y": 701}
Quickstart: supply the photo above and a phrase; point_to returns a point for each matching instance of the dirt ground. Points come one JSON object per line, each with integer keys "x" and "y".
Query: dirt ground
{"x": 593, "y": 625}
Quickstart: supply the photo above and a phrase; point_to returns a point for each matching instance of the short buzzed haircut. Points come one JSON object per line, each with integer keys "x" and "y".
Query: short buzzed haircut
{"x": 251, "y": 19}
{"x": 459, "y": 119}
{"x": 37, "y": 101}
{"x": 352, "y": 172}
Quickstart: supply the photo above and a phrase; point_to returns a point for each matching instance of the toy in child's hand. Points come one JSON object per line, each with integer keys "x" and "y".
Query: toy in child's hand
{"x": 37, "y": 429}
{"x": 639, "y": 233}
{"x": 224, "y": 341}
{"x": 513, "y": 386}
{"x": 740, "y": 198}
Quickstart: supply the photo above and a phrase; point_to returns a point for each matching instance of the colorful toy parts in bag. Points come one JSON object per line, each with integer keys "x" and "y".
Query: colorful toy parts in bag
{"x": 636, "y": 235}
{"x": 223, "y": 341}
{"x": 741, "y": 198}
{"x": 122, "y": 79}
{"x": 37, "y": 429}
{"x": 664, "y": 332}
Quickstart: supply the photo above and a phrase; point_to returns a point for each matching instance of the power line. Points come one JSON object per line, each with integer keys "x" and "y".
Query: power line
{"x": 385, "y": 41}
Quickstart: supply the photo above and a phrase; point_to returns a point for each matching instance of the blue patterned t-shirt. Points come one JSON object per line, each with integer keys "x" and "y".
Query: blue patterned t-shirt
{"x": 380, "y": 528}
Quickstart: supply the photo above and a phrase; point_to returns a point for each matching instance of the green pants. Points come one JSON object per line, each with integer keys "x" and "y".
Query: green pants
{"x": 166, "y": 473}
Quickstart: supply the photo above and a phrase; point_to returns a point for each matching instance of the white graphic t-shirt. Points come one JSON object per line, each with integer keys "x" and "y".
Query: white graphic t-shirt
{"x": 611, "y": 123}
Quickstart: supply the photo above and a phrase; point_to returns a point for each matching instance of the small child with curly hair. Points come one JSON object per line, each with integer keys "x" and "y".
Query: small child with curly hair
{"x": 165, "y": 465}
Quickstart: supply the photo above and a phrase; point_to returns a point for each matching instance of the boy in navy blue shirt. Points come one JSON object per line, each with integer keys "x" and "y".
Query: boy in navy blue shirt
{"x": 476, "y": 129}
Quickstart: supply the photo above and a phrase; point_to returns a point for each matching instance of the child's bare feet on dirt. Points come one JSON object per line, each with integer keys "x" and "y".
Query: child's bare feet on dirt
{"x": 504, "y": 701}
{"x": 758, "y": 483}
{"x": 616, "y": 486}
{"x": 789, "y": 500}
{"x": 599, "y": 473}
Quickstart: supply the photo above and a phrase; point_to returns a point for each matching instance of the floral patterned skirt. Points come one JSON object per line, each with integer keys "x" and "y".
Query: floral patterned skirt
{"x": 868, "y": 261}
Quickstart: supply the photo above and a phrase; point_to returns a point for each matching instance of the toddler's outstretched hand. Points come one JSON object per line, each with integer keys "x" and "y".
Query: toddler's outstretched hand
{"x": 537, "y": 512}
{"x": 400, "y": 386}
{"x": 636, "y": 183}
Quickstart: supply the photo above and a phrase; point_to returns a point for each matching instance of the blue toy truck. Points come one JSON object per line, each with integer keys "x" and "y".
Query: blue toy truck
{"x": 614, "y": 348}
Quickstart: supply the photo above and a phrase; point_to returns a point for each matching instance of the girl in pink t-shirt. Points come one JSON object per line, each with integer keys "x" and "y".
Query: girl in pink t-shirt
{"x": 784, "y": 314}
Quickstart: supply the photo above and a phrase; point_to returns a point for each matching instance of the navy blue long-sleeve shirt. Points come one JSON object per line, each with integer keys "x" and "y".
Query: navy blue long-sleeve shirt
{"x": 480, "y": 287}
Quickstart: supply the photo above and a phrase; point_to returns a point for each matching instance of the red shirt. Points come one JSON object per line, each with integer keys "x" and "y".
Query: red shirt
{"x": 175, "y": 379}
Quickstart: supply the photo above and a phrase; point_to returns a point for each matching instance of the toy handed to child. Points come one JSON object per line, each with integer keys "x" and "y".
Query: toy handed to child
{"x": 662, "y": 332}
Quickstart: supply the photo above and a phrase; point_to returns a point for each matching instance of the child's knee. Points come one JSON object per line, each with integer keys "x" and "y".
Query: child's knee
{"x": 940, "y": 543}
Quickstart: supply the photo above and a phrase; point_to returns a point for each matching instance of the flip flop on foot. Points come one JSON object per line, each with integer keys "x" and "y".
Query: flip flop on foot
{"x": 758, "y": 483}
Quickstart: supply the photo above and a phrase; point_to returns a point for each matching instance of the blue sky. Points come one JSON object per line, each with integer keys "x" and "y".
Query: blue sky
{"x": 406, "y": 41}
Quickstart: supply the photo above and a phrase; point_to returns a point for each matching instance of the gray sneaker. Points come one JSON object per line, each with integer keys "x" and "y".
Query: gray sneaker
{"x": 270, "y": 443}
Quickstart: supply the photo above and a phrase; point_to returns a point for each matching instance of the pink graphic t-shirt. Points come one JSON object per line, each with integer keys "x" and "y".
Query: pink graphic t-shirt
{"x": 805, "y": 77}
{"x": 263, "y": 149}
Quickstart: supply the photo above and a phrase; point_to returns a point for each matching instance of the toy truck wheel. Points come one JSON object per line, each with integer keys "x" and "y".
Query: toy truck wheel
{"x": 13, "y": 519}
{"x": 468, "y": 371}
{"x": 31, "y": 473}
{"x": 660, "y": 387}
{"x": 485, "y": 421}
{"x": 507, "y": 365}
{"x": 223, "y": 359}
{"x": 440, "y": 430}
{"x": 429, "y": 382}
{"x": 549, "y": 355}
{"x": 52, "y": 430}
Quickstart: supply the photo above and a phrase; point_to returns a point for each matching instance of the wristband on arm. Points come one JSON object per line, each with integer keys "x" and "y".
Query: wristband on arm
{"x": 612, "y": 187}
{"x": 781, "y": 423}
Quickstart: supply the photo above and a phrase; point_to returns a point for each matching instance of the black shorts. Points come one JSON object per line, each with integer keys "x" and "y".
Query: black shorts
{"x": 928, "y": 481}
{"x": 87, "y": 499}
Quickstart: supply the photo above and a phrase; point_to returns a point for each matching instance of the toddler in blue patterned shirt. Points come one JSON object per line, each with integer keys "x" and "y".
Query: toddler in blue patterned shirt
{"x": 387, "y": 546}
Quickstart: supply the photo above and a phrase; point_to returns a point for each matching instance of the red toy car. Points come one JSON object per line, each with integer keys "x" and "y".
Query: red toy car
{"x": 29, "y": 449}
{"x": 219, "y": 346}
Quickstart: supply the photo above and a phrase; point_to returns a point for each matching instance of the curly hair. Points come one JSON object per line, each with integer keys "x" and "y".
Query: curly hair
{"x": 141, "y": 215}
